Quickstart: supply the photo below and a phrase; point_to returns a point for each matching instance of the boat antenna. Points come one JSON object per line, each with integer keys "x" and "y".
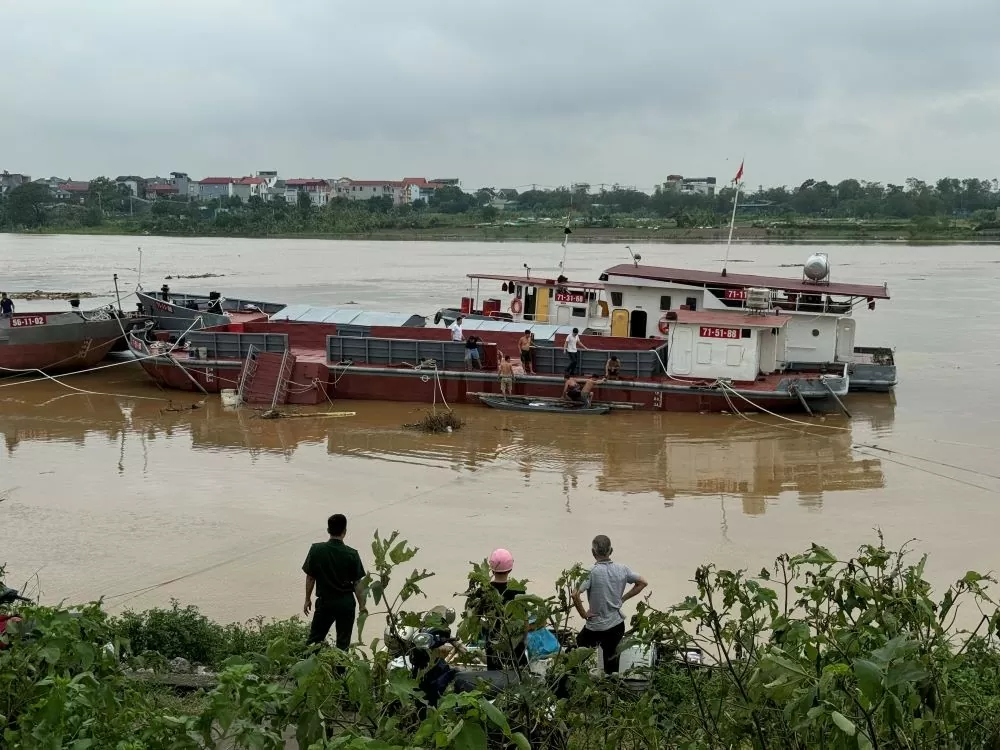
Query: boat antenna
{"x": 635, "y": 256}
{"x": 566, "y": 233}
{"x": 527, "y": 271}
{"x": 138, "y": 280}
{"x": 738, "y": 180}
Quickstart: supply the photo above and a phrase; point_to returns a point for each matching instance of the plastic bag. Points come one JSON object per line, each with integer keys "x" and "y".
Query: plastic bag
{"x": 542, "y": 643}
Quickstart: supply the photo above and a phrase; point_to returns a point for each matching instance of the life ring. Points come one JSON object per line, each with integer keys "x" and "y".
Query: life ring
{"x": 516, "y": 306}
{"x": 663, "y": 325}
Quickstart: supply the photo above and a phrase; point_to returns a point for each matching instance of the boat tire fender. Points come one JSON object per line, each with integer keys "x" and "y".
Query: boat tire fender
{"x": 516, "y": 306}
{"x": 664, "y": 325}
{"x": 437, "y": 318}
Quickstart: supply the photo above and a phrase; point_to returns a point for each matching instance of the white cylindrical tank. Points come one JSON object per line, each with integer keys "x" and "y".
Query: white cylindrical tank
{"x": 817, "y": 267}
{"x": 758, "y": 299}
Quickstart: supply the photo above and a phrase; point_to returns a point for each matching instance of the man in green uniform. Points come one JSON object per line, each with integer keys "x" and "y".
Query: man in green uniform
{"x": 336, "y": 572}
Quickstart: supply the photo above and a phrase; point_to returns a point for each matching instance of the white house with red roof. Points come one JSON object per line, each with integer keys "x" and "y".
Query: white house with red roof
{"x": 319, "y": 191}
{"x": 407, "y": 190}
{"x": 247, "y": 187}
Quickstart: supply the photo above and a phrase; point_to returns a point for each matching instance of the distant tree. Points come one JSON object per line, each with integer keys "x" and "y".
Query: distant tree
{"x": 106, "y": 196}
{"x": 381, "y": 204}
{"x": 303, "y": 202}
{"x": 25, "y": 205}
{"x": 255, "y": 203}
{"x": 489, "y": 213}
{"x": 233, "y": 201}
{"x": 451, "y": 200}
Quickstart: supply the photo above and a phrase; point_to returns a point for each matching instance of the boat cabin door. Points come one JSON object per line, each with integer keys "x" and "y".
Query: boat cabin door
{"x": 637, "y": 324}
{"x": 619, "y": 323}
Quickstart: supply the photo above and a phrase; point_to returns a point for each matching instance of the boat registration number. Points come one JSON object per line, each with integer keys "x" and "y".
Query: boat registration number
{"x": 707, "y": 332}
{"x": 736, "y": 294}
{"x": 577, "y": 298}
{"x": 24, "y": 321}
{"x": 162, "y": 306}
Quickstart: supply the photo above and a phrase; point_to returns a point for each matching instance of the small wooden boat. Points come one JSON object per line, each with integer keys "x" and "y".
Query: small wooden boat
{"x": 536, "y": 404}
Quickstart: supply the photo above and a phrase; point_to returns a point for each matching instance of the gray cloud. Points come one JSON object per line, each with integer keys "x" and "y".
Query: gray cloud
{"x": 508, "y": 93}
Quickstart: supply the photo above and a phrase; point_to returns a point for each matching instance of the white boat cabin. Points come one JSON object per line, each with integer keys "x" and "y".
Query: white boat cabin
{"x": 724, "y": 345}
{"x": 819, "y": 327}
{"x": 558, "y": 301}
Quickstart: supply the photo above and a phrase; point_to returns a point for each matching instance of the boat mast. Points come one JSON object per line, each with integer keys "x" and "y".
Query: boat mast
{"x": 732, "y": 221}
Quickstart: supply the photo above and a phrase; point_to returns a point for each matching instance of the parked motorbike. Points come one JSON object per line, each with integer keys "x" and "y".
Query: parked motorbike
{"x": 429, "y": 652}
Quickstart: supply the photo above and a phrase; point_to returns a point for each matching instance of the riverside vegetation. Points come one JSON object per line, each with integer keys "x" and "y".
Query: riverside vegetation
{"x": 851, "y": 210}
{"x": 815, "y": 652}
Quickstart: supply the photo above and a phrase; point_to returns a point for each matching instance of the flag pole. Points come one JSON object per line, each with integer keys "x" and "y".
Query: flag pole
{"x": 732, "y": 220}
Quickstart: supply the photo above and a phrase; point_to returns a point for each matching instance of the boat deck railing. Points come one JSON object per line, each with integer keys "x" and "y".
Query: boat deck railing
{"x": 450, "y": 355}
{"x": 225, "y": 345}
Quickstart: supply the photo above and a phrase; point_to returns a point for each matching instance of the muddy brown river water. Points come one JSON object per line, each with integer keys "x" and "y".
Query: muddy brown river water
{"x": 116, "y": 495}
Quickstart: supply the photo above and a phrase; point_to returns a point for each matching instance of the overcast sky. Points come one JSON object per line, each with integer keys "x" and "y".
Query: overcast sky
{"x": 502, "y": 93}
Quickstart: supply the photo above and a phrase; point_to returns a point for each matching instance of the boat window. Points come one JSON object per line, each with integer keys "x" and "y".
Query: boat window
{"x": 815, "y": 332}
{"x": 745, "y": 333}
{"x": 616, "y": 299}
{"x": 579, "y": 312}
{"x": 692, "y": 303}
{"x": 665, "y": 302}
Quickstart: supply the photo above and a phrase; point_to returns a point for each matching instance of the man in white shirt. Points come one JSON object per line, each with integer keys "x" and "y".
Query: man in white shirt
{"x": 571, "y": 346}
{"x": 456, "y": 329}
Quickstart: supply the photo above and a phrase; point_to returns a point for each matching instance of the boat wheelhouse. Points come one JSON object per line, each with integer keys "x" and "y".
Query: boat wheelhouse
{"x": 819, "y": 332}
{"x": 534, "y": 299}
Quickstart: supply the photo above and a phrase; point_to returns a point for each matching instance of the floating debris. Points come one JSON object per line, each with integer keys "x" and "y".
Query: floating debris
{"x": 39, "y": 294}
{"x": 792, "y": 265}
{"x": 444, "y": 421}
{"x": 190, "y": 407}
{"x": 276, "y": 414}
{"x": 195, "y": 276}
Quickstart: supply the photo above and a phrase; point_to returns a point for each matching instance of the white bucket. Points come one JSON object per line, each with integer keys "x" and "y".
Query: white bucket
{"x": 229, "y": 397}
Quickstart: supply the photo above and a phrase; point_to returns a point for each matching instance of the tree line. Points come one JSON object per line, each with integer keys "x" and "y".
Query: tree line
{"x": 32, "y": 206}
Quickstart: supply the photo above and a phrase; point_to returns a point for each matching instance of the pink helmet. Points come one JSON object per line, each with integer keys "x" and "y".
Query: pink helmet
{"x": 501, "y": 561}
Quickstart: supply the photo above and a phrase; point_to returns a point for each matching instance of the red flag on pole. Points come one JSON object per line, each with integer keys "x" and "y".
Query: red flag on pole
{"x": 739, "y": 173}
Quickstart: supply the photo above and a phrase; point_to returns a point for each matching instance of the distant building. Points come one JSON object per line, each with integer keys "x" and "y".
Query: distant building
{"x": 136, "y": 185}
{"x": 248, "y": 187}
{"x": 74, "y": 190}
{"x": 9, "y": 181}
{"x": 270, "y": 177}
{"x": 447, "y": 181}
{"x": 690, "y": 185}
{"x": 185, "y": 186}
{"x": 319, "y": 191}
{"x": 159, "y": 189}
{"x": 215, "y": 187}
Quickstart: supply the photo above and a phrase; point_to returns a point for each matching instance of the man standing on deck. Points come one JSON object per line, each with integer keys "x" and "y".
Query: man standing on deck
{"x": 524, "y": 344}
{"x": 6, "y": 305}
{"x": 336, "y": 572}
{"x": 571, "y": 346}
{"x": 605, "y": 587}
{"x": 456, "y": 329}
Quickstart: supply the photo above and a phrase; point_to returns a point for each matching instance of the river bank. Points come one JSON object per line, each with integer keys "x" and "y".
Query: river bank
{"x": 901, "y": 233}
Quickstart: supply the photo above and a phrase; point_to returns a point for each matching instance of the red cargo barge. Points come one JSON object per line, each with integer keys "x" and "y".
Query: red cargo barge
{"x": 730, "y": 357}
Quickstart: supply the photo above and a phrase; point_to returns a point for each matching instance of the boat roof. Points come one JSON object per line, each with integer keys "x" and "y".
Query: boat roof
{"x": 743, "y": 280}
{"x": 730, "y": 319}
{"x": 542, "y": 331}
{"x": 345, "y": 316}
{"x": 536, "y": 281}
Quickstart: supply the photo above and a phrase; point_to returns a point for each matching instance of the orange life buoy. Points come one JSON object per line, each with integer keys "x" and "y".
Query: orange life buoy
{"x": 664, "y": 324}
{"x": 516, "y": 306}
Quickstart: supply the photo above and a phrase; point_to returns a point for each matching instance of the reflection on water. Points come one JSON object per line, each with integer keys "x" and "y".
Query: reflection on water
{"x": 671, "y": 455}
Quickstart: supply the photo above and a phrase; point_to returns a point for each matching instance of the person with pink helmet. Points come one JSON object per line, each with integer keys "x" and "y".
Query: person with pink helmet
{"x": 490, "y": 609}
